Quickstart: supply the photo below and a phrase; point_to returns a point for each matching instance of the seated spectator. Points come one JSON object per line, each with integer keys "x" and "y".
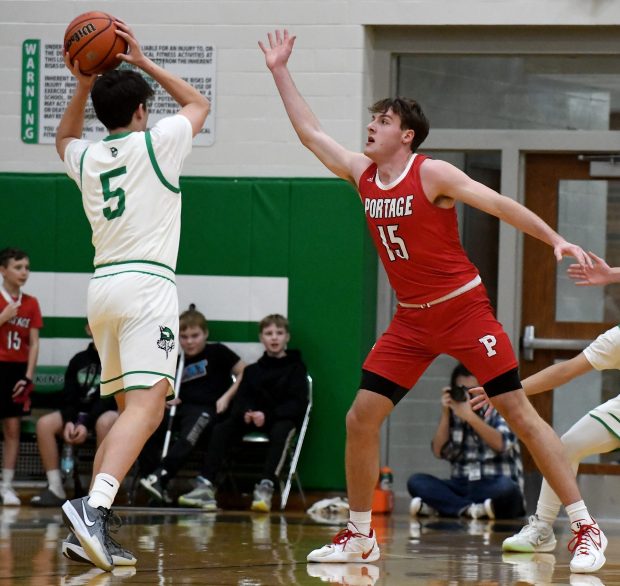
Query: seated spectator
{"x": 484, "y": 454}
{"x": 206, "y": 391}
{"x": 84, "y": 411}
{"x": 272, "y": 398}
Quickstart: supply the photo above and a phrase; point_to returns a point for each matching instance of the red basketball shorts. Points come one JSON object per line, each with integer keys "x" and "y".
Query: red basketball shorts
{"x": 463, "y": 327}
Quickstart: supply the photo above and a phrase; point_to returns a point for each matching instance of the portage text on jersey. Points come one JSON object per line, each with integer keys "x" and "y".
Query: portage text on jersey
{"x": 388, "y": 207}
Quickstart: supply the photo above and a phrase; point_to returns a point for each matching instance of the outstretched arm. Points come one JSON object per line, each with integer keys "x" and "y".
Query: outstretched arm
{"x": 441, "y": 179}
{"x": 343, "y": 163}
{"x": 556, "y": 375}
{"x": 599, "y": 274}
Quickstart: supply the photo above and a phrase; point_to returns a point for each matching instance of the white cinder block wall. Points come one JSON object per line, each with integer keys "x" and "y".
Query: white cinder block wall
{"x": 334, "y": 67}
{"x": 332, "y": 64}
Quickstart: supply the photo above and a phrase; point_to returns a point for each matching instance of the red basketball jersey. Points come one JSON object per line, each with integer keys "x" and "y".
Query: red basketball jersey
{"x": 15, "y": 333}
{"x": 418, "y": 243}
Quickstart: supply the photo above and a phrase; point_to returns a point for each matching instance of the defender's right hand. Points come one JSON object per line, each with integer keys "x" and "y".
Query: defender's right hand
{"x": 279, "y": 50}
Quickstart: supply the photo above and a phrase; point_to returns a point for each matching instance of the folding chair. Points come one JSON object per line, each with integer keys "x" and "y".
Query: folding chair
{"x": 291, "y": 452}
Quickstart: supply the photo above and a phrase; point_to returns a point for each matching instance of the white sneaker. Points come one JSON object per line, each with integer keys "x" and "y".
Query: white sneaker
{"x": 9, "y": 498}
{"x": 480, "y": 510}
{"x": 588, "y": 545}
{"x": 350, "y": 574}
{"x": 536, "y": 536}
{"x": 418, "y": 508}
{"x": 348, "y": 546}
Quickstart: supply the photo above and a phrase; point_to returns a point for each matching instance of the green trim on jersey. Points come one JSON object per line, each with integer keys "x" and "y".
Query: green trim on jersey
{"x": 125, "y": 262}
{"x": 105, "y": 382}
{"x": 149, "y": 148}
{"x": 118, "y": 135}
{"x": 82, "y": 165}
{"x": 609, "y": 429}
{"x": 134, "y": 271}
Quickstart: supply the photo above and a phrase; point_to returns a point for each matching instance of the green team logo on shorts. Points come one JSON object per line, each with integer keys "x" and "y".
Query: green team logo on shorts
{"x": 166, "y": 340}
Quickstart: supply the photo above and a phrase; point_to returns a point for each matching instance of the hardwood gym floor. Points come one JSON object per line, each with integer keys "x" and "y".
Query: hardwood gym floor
{"x": 183, "y": 546}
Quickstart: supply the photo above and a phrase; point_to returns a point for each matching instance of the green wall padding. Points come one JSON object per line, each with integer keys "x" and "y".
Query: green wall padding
{"x": 309, "y": 230}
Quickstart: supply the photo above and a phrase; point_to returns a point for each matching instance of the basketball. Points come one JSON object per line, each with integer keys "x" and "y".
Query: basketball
{"x": 91, "y": 39}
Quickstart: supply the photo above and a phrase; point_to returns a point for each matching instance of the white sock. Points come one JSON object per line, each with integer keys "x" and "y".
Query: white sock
{"x": 54, "y": 480}
{"x": 103, "y": 492}
{"x": 7, "y": 477}
{"x": 361, "y": 520}
{"x": 578, "y": 513}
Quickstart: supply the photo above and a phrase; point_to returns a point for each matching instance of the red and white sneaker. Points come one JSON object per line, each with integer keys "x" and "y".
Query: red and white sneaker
{"x": 588, "y": 546}
{"x": 348, "y": 546}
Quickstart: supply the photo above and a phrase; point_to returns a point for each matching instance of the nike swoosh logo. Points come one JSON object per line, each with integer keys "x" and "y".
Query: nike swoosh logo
{"x": 108, "y": 483}
{"x": 88, "y": 522}
{"x": 365, "y": 554}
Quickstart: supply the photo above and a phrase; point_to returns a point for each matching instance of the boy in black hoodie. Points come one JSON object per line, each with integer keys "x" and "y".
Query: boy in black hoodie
{"x": 83, "y": 411}
{"x": 272, "y": 398}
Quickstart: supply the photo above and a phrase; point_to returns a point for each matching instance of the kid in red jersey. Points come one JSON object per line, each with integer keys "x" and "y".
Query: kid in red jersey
{"x": 20, "y": 322}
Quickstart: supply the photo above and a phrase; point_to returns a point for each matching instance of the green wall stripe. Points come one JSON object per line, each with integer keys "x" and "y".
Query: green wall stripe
{"x": 225, "y": 331}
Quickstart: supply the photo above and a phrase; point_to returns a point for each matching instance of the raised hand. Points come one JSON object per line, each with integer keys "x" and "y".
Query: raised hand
{"x": 84, "y": 79}
{"x": 565, "y": 248}
{"x": 279, "y": 50}
{"x": 598, "y": 274}
{"x": 134, "y": 55}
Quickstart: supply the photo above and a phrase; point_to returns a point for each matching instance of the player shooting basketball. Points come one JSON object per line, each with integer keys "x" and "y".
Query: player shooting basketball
{"x": 130, "y": 192}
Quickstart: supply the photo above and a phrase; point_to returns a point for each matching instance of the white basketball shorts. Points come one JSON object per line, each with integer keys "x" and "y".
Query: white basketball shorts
{"x": 133, "y": 312}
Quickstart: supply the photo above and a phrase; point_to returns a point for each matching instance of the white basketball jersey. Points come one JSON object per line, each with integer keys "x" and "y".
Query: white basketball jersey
{"x": 602, "y": 354}
{"x": 130, "y": 191}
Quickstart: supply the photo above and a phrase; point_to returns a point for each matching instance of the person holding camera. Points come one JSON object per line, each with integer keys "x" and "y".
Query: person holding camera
{"x": 486, "y": 479}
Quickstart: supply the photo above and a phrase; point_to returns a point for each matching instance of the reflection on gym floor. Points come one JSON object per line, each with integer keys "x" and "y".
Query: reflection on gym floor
{"x": 181, "y": 546}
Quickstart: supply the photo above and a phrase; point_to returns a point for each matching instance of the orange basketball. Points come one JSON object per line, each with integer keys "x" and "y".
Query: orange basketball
{"x": 90, "y": 38}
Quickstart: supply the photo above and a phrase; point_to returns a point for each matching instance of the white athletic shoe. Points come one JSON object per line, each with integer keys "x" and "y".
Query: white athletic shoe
{"x": 588, "y": 545}
{"x": 536, "y": 536}
{"x": 9, "y": 498}
{"x": 348, "y": 546}
{"x": 350, "y": 574}
{"x": 418, "y": 508}
{"x": 480, "y": 510}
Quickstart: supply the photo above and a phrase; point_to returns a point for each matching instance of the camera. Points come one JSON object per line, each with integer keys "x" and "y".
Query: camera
{"x": 458, "y": 393}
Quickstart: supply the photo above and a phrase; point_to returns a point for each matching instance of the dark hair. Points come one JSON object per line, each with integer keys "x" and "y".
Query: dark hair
{"x": 6, "y": 254}
{"x": 273, "y": 319}
{"x": 410, "y": 114}
{"x": 459, "y": 370}
{"x": 117, "y": 94}
{"x": 191, "y": 318}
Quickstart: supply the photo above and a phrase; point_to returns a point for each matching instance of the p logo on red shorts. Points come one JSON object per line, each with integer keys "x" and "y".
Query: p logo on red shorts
{"x": 489, "y": 342}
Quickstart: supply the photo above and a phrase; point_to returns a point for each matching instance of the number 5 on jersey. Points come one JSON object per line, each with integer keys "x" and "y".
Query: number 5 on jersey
{"x": 108, "y": 194}
{"x": 394, "y": 244}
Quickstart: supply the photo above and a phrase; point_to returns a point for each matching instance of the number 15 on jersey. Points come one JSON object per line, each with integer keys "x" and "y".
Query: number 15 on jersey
{"x": 393, "y": 243}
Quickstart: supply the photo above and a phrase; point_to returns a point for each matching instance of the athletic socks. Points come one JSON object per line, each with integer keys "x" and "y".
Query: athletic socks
{"x": 7, "y": 477}
{"x": 547, "y": 513}
{"x": 103, "y": 492}
{"x": 361, "y": 520}
{"x": 578, "y": 512}
{"x": 54, "y": 480}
